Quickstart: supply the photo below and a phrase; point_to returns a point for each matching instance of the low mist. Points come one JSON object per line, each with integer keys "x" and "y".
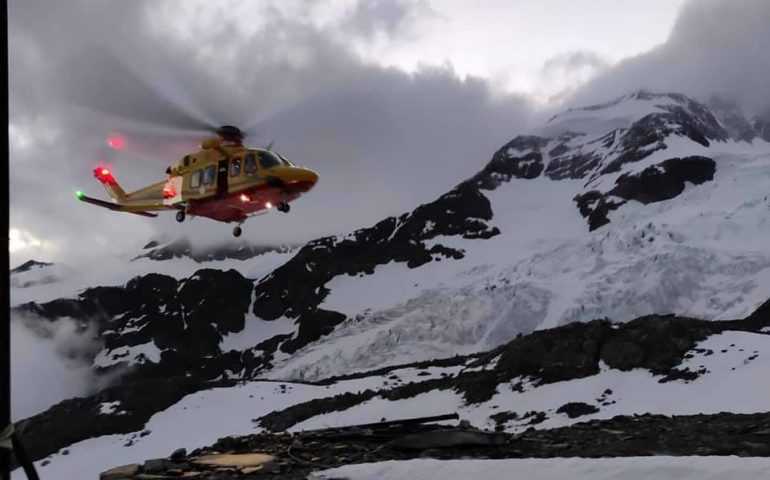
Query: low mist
{"x": 50, "y": 362}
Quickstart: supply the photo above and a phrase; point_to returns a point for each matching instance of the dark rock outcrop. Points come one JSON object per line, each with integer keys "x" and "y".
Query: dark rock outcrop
{"x": 293, "y": 457}
{"x": 653, "y": 184}
{"x": 577, "y": 409}
{"x": 184, "y": 319}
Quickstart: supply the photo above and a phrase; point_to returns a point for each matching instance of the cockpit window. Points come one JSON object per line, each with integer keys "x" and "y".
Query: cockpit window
{"x": 285, "y": 162}
{"x": 235, "y": 167}
{"x": 250, "y": 164}
{"x": 268, "y": 159}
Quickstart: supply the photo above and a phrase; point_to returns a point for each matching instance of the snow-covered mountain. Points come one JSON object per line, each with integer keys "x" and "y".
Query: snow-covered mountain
{"x": 651, "y": 204}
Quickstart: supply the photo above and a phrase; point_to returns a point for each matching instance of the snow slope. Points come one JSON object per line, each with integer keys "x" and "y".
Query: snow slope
{"x": 703, "y": 254}
{"x": 199, "y": 419}
{"x": 632, "y": 468}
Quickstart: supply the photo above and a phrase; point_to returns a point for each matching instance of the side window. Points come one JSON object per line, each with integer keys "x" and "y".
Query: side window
{"x": 209, "y": 173}
{"x": 187, "y": 161}
{"x": 250, "y": 165}
{"x": 268, "y": 159}
{"x": 195, "y": 179}
{"x": 235, "y": 167}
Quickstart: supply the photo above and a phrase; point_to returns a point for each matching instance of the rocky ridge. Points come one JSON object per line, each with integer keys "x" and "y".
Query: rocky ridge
{"x": 295, "y": 456}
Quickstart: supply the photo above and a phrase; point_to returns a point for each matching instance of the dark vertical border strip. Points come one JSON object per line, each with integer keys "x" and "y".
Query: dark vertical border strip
{"x": 5, "y": 296}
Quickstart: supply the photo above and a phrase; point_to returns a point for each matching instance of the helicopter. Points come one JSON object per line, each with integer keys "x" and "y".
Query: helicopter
{"x": 224, "y": 181}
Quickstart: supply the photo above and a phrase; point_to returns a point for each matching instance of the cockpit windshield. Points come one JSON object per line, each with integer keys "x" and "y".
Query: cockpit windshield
{"x": 269, "y": 159}
{"x": 285, "y": 162}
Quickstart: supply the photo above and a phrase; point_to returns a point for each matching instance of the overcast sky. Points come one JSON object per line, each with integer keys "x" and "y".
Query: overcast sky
{"x": 392, "y": 102}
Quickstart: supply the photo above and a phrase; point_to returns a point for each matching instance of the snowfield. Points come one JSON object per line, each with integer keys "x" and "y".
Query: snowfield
{"x": 631, "y": 468}
{"x": 703, "y": 254}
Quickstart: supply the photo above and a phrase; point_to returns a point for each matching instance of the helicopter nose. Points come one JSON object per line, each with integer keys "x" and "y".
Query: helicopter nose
{"x": 307, "y": 179}
{"x": 311, "y": 177}
{"x": 296, "y": 179}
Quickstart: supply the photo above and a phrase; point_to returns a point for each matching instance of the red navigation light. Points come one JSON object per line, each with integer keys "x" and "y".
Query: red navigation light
{"x": 169, "y": 191}
{"x": 116, "y": 142}
{"x": 104, "y": 175}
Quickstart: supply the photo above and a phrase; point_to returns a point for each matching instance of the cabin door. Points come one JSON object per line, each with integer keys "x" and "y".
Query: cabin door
{"x": 222, "y": 178}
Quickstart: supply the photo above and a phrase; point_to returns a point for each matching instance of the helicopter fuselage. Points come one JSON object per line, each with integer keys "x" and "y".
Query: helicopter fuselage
{"x": 223, "y": 182}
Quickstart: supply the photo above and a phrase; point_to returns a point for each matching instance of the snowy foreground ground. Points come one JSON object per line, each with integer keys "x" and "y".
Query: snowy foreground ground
{"x": 631, "y": 468}
{"x": 199, "y": 419}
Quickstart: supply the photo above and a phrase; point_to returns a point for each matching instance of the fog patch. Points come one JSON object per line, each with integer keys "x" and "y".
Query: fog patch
{"x": 51, "y": 362}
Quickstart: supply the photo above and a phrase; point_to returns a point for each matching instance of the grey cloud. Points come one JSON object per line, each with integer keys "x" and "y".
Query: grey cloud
{"x": 388, "y": 17}
{"x": 717, "y": 47}
{"x": 576, "y": 60}
{"x": 382, "y": 140}
{"x": 567, "y": 71}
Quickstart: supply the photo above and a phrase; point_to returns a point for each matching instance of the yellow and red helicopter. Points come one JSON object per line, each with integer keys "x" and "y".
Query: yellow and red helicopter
{"x": 225, "y": 181}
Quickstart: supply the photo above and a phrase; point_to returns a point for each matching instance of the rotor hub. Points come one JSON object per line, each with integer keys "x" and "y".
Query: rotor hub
{"x": 230, "y": 133}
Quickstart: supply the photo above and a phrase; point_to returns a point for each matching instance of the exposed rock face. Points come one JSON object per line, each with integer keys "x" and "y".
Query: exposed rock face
{"x": 577, "y": 409}
{"x": 519, "y": 158}
{"x": 653, "y": 184}
{"x": 684, "y": 118}
{"x": 173, "y": 326}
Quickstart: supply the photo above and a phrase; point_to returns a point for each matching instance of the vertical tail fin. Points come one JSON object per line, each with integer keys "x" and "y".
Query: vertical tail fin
{"x": 104, "y": 175}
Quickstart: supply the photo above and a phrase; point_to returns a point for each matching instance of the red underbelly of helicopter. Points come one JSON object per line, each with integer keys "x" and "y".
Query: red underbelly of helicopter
{"x": 237, "y": 207}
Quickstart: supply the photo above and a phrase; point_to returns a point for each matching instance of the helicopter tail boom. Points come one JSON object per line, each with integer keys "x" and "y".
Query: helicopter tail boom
{"x": 111, "y": 206}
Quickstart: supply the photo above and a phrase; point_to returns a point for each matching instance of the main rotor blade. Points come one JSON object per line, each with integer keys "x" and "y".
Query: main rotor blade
{"x": 97, "y": 80}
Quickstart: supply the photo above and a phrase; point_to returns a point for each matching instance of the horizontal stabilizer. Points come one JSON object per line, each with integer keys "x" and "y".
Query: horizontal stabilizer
{"x": 112, "y": 206}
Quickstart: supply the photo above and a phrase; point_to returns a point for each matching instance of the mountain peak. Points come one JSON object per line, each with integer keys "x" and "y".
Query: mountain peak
{"x": 29, "y": 265}
{"x": 624, "y": 111}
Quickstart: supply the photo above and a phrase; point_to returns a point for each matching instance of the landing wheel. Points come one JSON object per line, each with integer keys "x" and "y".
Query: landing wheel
{"x": 283, "y": 207}
{"x": 237, "y": 231}
{"x": 180, "y": 216}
